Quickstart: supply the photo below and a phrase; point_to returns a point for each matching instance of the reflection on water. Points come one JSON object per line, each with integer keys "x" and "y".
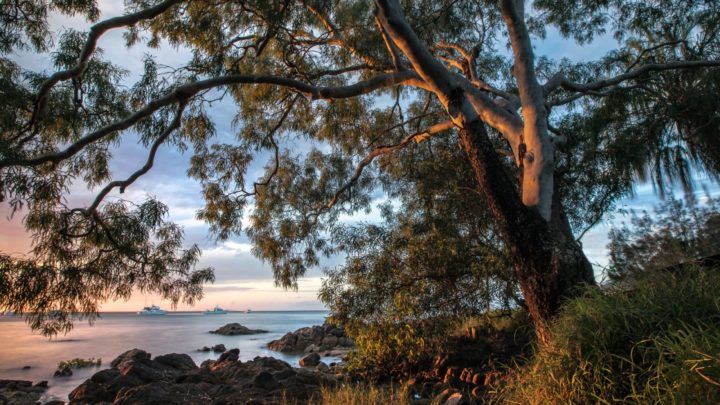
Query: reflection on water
{"x": 115, "y": 333}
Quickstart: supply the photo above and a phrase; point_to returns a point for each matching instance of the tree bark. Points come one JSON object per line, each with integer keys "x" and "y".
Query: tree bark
{"x": 548, "y": 262}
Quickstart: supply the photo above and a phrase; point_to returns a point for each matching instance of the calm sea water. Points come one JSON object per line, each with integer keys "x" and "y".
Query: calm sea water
{"x": 115, "y": 333}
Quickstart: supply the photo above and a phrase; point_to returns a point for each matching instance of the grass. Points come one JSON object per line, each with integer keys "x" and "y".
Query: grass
{"x": 654, "y": 341}
{"x": 357, "y": 394}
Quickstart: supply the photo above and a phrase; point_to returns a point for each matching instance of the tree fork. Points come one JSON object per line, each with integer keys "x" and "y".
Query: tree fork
{"x": 549, "y": 263}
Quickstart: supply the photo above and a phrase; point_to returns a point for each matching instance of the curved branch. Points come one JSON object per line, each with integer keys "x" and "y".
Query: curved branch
{"x": 122, "y": 184}
{"x": 384, "y": 150}
{"x": 559, "y": 80}
{"x": 189, "y": 90}
{"x": 96, "y": 31}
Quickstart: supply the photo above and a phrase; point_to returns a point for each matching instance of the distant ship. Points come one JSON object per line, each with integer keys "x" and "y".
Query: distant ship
{"x": 215, "y": 311}
{"x": 151, "y": 310}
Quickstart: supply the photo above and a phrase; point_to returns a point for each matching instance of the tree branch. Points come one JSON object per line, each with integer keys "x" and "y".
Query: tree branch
{"x": 189, "y": 90}
{"x": 96, "y": 31}
{"x": 538, "y": 160}
{"x": 446, "y": 86}
{"x": 384, "y": 150}
{"x": 559, "y": 80}
{"x": 122, "y": 184}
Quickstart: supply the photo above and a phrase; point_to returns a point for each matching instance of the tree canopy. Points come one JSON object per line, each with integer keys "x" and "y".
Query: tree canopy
{"x": 493, "y": 155}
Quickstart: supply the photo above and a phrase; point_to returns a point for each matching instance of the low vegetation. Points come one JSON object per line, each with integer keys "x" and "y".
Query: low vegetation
{"x": 653, "y": 340}
{"x": 79, "y": 363}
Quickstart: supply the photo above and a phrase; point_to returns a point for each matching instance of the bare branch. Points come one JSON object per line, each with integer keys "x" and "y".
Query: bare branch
{"x": 392, "y": 49}
{"x": 122, "y": 184}
{"x": 384, "y": 150}
{"x": 559, "y": 80}
{"x": 537, "y": 158}
{"x": 449, "y": 88}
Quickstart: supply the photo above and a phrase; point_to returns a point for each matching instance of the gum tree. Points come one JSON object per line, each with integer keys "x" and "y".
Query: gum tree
{"x": 358, "y": 85}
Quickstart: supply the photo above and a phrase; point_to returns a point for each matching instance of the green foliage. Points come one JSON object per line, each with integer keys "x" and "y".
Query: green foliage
{"x": 434, "y": 261}
{"x": 677, "y": 232}
{"x": 79, "y": 363}
{"x": 654, "y": 340}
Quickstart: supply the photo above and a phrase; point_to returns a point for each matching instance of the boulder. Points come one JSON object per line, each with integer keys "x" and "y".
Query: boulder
{"x": 63, "y": 372}
{"x": 230, "y": 355}
{"x": 235, "y": 328}
{"x": 219, "y": 348}
{"x": 265, "y": 380}
{"x": 177, "y": 361}
{"x": 130, "y": 355}
{"x": 312, "y": 339}
{"x": 310, "y": 360}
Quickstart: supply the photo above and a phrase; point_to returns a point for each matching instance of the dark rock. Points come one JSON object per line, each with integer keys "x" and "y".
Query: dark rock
{"x": 177, "y": 361}
{"x": 20, "y": 392}
{"x": 130, "y": 355}
{"x": 265, "y": 380}
{"x": 230, "y": 355}
{"x": 219, "y": 348}
{"x": 456, "y": 399}
{"x": 312, "y": 339}
{"x": 442, "y": 397}
{"x": 283, "y": 374}
{"x": 63, "y": 372}
{"x": 232, "y": 329}
{"x": 27, "y": 367}
{"x": 42, "y": 384}
{"x": 55, "y": 402}
{"x": 205, "y": 349}
{"x": 310, "y": 360}
{"x": 174, "y": 379}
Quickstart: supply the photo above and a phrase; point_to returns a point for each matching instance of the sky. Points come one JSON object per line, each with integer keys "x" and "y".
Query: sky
{"x": 243, "y": 281}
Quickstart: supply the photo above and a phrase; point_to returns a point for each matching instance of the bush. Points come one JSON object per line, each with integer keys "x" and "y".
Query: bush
{"x": 655, "y": 340}
{"x": 80, "y": 363}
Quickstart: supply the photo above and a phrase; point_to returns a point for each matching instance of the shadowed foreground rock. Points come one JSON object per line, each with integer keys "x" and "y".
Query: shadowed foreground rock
{"x": 135, "y": 378}
{"x": 19, "y": 392}
{"x": 236, "y": 329}
{"x": 325, "y": 339}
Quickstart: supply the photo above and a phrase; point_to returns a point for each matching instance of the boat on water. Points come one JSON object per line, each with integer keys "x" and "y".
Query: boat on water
{"x": 215, "y": 311}
{"x": 151, "y": 310}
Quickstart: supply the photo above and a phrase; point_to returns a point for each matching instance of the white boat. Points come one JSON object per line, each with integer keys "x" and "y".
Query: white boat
{"x": 151, "y": 310}
{"x": 215, "y": 311}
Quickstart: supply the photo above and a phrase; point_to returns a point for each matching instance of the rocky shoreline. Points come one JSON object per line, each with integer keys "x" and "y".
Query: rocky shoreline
{"x": 135, "y": 377}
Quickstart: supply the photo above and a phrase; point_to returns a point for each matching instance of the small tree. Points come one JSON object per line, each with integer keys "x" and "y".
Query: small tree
{"x": 677, "y": 233}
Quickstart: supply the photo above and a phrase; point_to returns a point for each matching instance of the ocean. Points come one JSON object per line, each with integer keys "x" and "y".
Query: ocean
{"x": 114, "y": 333}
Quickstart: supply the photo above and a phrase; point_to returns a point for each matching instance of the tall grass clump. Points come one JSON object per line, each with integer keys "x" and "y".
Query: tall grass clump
{"x": 653, "y": 340}
{"x": 356, "y": 394}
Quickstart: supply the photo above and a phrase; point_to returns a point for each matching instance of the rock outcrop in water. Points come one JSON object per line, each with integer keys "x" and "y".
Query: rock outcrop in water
{"x": 235, "y": 328}
{"x": 174, "y": 378}
{"x": 326, "y": 339}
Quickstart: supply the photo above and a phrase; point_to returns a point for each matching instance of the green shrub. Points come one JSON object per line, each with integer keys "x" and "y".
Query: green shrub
{"x": 654, "y": 340}
{"x": 79, "y": 363}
